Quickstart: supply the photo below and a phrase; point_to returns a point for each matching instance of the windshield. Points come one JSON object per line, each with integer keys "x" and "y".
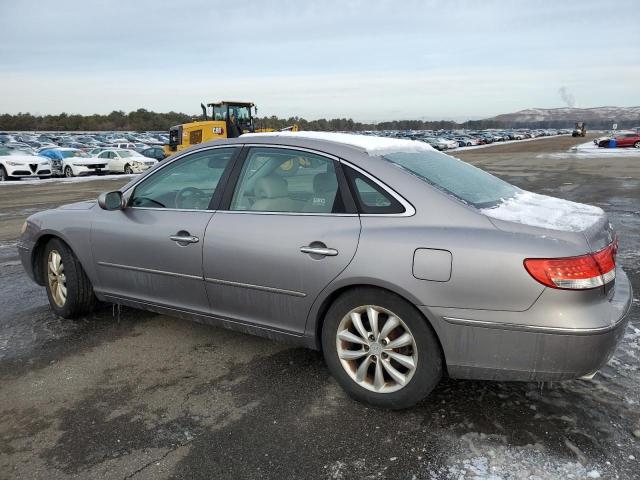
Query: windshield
{"x": 466, "y": 182}
{"x": 242, "y": 113}
{"x": 72, "y": 153}
{"x": 125, "y": 153}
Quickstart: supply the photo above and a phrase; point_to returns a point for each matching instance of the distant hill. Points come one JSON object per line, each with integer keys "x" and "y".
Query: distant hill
{"x": 597, "y": 115}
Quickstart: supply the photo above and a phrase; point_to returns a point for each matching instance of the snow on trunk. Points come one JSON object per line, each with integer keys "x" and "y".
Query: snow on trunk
{"x": 542, "y": 211}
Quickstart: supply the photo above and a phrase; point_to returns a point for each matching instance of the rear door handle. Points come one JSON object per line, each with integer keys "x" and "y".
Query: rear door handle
{"x": 184, "y": 238}
{"x": 323, "y": 251}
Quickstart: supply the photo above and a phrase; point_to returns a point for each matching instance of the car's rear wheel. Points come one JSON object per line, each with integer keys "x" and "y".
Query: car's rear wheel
{"x": 69, "y": 290}
{"x": 68, "y": 172}
{"x": 637, "y": 144}
{"x": 380, "y": 349}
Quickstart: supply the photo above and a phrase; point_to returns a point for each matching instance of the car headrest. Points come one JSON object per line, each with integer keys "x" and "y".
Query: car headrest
{"x": 271, "y": 187}
{"x": 325, "y": 182}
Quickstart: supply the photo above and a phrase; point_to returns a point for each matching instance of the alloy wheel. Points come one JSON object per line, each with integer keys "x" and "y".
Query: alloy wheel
{"x": 56, "y": 278}
{"x": 68, "y": 172}
{"x": 376, "y": 349}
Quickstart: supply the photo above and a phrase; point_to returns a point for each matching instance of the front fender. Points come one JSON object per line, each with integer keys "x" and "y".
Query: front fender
{"x": 73, "y": 226}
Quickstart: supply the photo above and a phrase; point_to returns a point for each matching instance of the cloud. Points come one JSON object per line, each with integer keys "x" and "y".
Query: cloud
{"x": 368, "y": 60}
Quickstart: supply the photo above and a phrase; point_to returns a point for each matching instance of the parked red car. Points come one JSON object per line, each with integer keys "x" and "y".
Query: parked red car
{"x": 628, "y": 139}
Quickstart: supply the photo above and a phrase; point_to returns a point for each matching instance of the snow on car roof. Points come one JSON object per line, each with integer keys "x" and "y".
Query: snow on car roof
{"x": 371, "y": 144}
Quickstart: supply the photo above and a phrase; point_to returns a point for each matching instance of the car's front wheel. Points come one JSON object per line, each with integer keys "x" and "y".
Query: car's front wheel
{"x": 68, "y": 172}
{"x": 127, "y": 169}
{"x": 637, "y": 144}
{"x": 69, "y": 290}
{"x": 380, "y": 349}
{"x": 3, "y": 174}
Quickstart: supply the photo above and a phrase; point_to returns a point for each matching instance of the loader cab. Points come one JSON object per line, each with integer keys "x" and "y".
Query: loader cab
{"x": 241, "y": 110}
{"x": 213, "y": 126}
{"x": 175, "y": 136}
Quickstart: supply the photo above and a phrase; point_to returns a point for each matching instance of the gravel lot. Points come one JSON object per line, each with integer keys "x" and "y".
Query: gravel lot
{"x": 129, "y": 394}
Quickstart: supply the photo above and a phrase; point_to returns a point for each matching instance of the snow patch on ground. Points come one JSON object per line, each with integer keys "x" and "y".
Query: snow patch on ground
{"x": 592, "y": 150}
{"x": 501, "y": 461}
{"x": 543, "y": 211}
{"x": 373, "y": 145}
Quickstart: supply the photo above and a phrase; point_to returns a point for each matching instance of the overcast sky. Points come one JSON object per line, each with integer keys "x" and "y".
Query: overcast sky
{"x": 369, "y": 60}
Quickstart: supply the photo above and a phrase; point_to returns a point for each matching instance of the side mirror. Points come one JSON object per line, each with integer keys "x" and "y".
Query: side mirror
{"x": 111, "y": 200}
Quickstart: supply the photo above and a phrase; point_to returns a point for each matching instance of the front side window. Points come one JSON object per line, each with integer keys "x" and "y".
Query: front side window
{"x": 187, "y": 184}
{"x": 284, "y": 180}
{"x": 465, "y": 182}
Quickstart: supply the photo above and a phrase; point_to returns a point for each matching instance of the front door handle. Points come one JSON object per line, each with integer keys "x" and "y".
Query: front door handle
{"x": 182, "y": 238}
{"x": 323, "y": 251}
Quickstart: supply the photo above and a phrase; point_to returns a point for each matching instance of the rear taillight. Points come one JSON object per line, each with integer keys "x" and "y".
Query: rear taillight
{"x": 575, "y": 273}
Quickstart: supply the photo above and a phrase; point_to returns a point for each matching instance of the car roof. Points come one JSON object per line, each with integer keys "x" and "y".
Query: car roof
{"x": 330, "y": 140}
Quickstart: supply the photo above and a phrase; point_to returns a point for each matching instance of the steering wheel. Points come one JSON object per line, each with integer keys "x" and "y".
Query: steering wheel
{"x": 191, "y": 198}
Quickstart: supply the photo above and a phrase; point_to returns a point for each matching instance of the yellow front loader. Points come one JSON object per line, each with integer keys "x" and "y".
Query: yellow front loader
{"x": 225, "y": 119}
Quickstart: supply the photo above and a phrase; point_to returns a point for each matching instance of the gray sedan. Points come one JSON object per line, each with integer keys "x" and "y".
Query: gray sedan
{"x": 399, "y": 262}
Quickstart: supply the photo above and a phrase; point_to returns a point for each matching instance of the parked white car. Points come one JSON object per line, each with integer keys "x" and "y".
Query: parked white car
{"x": 72, "y": 162}
{"x": 126, "y": 161}
{"x": 21, "y": 165}
{"x": 450, "y": 144}
{"x": 124, "y": 145}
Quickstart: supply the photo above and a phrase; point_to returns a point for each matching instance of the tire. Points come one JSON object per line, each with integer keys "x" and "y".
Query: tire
{"x": 78, "y": 298}
{"x": 636, "y": 145}
{"x": 127, "y": 169}
{"x": 3, "y": 174}
{"x": 68, "y": 172}
{"x": 423, "y": 352}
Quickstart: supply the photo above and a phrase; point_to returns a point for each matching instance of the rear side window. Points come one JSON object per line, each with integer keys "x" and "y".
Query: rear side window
{"x": 466, "y": 182}
{"x": 370, "y": 197}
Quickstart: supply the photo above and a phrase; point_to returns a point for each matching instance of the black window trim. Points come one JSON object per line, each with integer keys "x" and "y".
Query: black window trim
{"x": 394, "y": 208}
{"x": 409, "y": 209}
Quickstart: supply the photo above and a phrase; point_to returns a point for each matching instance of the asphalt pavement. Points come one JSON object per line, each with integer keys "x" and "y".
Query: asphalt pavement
{"x": 129, "y": 394}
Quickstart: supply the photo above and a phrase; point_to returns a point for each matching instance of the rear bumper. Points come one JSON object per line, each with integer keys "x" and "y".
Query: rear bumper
{"x": 502, "y": 350}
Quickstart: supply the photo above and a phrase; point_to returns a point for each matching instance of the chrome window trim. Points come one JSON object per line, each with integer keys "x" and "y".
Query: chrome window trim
{"x": 172, "y": 209}
{"x": 178, "y": 157}
{"x": 409, "y": 208}
{"x": 291, "y": 214}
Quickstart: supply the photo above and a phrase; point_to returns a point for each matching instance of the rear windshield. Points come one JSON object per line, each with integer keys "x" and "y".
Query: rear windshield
{"x": 466, "y": 182}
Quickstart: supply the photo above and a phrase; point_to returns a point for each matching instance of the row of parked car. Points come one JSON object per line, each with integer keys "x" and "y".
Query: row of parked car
{"x": 47, "y": 155}
{"x": 70, "y": 155}
{"x": 450, "y": 139}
